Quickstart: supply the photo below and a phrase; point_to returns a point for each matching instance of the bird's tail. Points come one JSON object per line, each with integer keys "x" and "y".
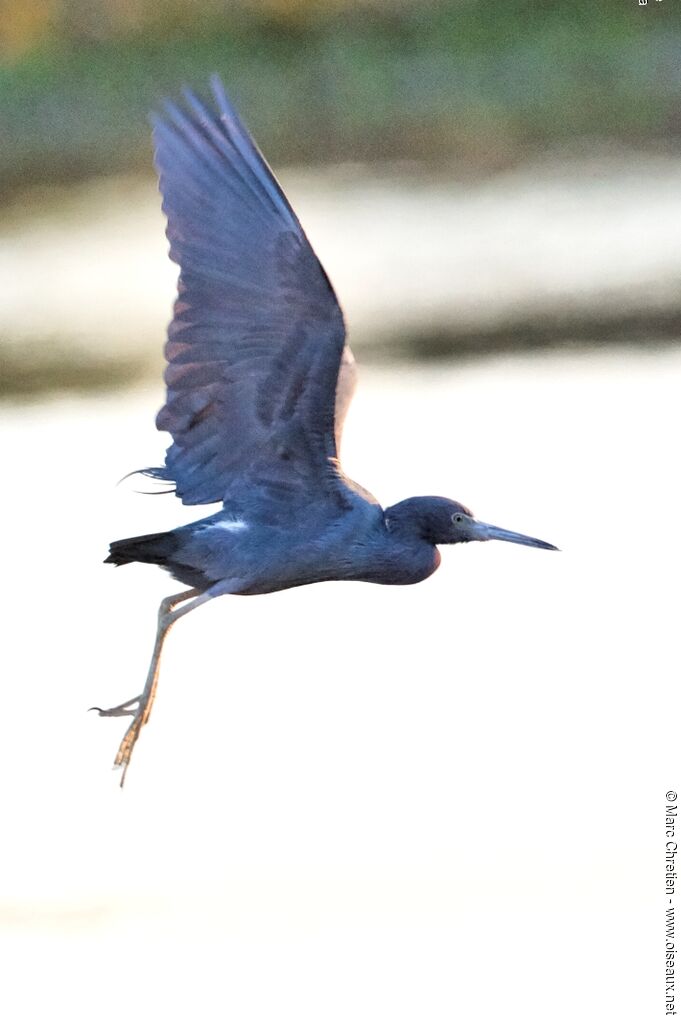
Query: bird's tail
{"x": 152, "y": 549}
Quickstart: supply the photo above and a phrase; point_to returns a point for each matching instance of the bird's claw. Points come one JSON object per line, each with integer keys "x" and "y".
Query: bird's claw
{"x": 129, "y": 708}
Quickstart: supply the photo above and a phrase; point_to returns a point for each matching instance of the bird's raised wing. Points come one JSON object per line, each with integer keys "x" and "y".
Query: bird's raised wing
{"x": 256, "y": 342}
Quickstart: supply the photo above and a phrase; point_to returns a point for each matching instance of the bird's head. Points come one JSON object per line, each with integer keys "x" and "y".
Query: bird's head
{"x": 439, "y": 520}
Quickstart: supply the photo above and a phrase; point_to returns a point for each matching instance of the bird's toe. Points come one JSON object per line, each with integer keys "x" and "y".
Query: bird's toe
{"x": 127, "y": 709}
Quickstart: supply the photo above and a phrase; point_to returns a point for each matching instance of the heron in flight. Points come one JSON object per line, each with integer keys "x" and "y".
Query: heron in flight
{"x": 259, "y": 379}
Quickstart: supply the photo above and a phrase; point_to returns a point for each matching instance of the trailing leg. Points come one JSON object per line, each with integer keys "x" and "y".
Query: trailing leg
{"x": 139, "y": 707}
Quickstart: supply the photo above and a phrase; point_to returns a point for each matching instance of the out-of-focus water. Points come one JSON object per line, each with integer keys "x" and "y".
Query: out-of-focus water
{"x": 354, "y": 802}
{"x": 411, "y": 259}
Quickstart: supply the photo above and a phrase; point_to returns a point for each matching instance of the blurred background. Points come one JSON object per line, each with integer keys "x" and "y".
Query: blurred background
{"x": 434, "y": 803}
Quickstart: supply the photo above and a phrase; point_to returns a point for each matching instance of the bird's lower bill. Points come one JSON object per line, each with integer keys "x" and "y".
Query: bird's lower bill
{"x": 487, "y": 532}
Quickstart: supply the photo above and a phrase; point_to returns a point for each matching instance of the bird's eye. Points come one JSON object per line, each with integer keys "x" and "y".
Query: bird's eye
{"x": 458, "y": 518}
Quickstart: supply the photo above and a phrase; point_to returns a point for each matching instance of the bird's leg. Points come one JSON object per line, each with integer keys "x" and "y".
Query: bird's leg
{"x": 129, "y": 707}
{"x": 140, "y": 706}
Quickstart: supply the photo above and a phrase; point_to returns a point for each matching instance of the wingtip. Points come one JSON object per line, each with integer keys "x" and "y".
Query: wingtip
{"x": 167, "y": 107}
{"x": 227, "y": 109}
{"x": 219, "y": 91}
{"x": 190, "y": 97}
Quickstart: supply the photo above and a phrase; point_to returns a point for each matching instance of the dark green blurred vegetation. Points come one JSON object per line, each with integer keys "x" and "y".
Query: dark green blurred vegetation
{"x": 481, "y": 82}
{"x": 36, "y": 368}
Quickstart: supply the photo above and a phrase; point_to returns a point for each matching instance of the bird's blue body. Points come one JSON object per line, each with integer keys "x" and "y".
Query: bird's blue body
{"x": 259, "y": 379}
{"x": 241, "y": 545}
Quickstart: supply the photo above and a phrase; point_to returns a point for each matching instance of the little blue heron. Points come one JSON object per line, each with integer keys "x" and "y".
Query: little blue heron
{"x": 259, "y": 379}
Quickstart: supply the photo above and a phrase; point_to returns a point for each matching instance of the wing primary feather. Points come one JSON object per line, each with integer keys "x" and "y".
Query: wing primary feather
{"x": 251, "y": 154}
{"x": 199, "y": 143}
{"x": 198, "y": 179}
{"x": 220, "y": 143}
{"x": 224, "y": 144}
{"x": 168, "y": 139}
{"x": 201, "y": 146}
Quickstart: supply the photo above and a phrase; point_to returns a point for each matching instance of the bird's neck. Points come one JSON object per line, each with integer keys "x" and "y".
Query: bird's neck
{"x": 406, "y": 521}
{"x": 407, "y": 556}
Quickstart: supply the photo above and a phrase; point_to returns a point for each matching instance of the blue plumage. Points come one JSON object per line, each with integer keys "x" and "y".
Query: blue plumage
{"x": 259, "y": 378}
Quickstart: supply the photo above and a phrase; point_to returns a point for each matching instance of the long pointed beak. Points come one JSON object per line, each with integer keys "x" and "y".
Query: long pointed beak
{"x": 487, "y": 532}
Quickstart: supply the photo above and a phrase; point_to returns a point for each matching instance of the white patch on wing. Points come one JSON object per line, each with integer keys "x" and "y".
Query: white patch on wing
{"x": 232, "y": 525}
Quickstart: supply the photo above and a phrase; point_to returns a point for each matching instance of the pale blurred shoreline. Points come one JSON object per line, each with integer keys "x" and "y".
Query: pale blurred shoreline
{"x": 563, "y": 253}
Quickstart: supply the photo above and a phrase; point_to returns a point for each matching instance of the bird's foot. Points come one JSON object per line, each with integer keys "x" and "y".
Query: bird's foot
{"x": 130, "y": 708}
{"x": 138, "y": 708}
